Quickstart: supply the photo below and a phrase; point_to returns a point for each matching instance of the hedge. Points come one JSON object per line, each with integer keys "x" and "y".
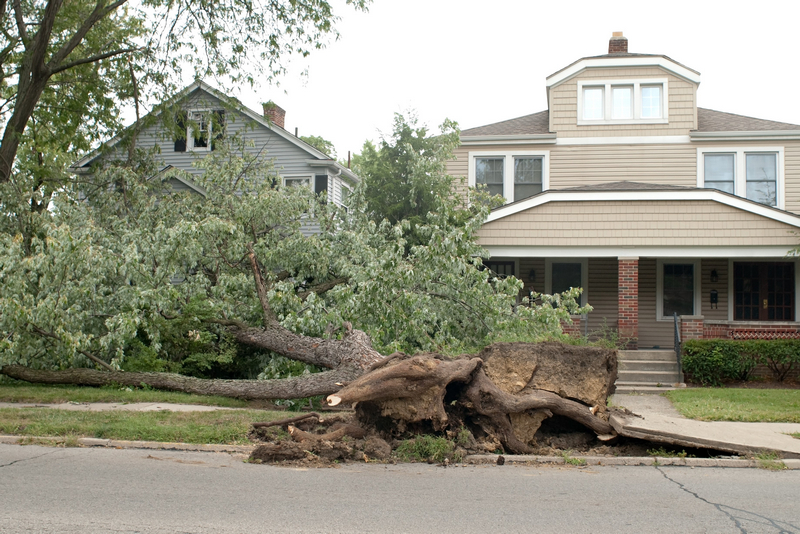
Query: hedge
{"x": 714, "y": 361}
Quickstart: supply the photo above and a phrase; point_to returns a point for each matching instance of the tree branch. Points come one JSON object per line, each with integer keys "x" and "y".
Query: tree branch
{"x": 92, "y": 59}
{"x": 261, "y": 289}
{"x": 21, "y": 26}
{"x": 99, "y": 12}
{"x": 319, "y": 289}
{"x": 51, "y": 335}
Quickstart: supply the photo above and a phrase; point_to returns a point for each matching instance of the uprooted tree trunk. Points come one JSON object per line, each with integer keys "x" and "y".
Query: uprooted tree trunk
{"x": 502, "y": 394}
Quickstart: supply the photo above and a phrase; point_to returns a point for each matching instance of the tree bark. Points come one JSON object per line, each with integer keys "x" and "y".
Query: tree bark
{"x": 284, "y": 388}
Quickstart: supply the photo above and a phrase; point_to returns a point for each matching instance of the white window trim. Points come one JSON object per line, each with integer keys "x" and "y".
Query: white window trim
{"x": 740, "y": 168}
{"x": 508, "y": 167}
{"x": 548, "y": 275}
{"x": 660, "y": 286}
{"x": 309, "y": 177}
{"x": 637, "y": 100}
{"x": 190, "y": 131}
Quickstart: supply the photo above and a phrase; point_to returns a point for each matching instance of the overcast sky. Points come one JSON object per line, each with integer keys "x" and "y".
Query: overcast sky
{"x": 479, "y": 62}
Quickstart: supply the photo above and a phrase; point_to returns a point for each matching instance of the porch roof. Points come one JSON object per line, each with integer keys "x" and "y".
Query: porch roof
{"x": 634, "y": 219}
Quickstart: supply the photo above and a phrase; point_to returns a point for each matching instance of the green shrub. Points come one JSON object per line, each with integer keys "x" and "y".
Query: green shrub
{"x": 427, "y": 448}
{"x": 714, "y": 361}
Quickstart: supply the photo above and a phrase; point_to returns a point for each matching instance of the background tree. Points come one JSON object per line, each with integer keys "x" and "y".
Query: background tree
{"x": 405, "y": 175}
{"x": 321, "y": 144}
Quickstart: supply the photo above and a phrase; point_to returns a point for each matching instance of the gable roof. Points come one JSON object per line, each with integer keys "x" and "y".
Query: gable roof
{"x": 321, "y": 159}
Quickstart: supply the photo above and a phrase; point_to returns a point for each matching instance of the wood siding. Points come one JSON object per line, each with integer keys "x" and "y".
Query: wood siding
{"x": 681, "y": 105}
{"x": 644, "y": 223}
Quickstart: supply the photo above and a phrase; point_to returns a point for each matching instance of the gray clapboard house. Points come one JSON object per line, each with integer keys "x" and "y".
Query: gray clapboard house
{"x": 207, "y": 115}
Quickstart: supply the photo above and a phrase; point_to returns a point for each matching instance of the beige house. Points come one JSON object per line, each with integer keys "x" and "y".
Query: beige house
{"x": 653, "y": 206}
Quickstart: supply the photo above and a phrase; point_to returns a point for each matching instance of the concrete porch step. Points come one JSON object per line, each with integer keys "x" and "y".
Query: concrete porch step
{"x": 648, "y": 365}
{"x": 653, "y": 377}
{"x": 650, "y": 355}
{"x": 629, "y": 388}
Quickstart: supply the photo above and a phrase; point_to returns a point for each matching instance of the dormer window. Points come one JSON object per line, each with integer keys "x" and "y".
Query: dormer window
{"x": 622, "y": 101}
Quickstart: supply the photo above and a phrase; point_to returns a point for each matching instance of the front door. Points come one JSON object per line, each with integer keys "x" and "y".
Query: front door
{"x": 763, "y": 291}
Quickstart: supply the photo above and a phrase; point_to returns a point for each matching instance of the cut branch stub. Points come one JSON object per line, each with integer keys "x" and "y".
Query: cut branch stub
{"x": 409, "y": 390}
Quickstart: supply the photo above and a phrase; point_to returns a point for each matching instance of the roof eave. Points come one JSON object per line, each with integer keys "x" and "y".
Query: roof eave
{"x": 517, "y": 139}
{"x": 758, "y": 135}
{"x": 624, "y": 61}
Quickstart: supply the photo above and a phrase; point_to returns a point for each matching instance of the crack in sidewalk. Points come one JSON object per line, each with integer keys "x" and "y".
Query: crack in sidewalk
{"x": 724, "y": 509}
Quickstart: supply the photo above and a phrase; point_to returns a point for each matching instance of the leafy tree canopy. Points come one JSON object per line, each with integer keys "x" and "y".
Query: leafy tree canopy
{"x": 321, "y": 144}
{"x": 128, "y": 275}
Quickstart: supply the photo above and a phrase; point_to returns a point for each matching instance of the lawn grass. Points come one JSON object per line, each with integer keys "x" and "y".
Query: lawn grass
{"x": 734, "y": 404}
{"x": 54, "y": 394}
{"x": 221, "y": 426}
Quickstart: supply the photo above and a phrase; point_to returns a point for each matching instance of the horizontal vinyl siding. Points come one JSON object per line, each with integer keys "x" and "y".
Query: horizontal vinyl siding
{"x": 681, "y": 105}
{"x": 627, "y": 223}
{"x": 573, "y": 166}
{"x": 721, "y": 285}
{"x": 652, "y": 333}
{"x": 602, "y": 293}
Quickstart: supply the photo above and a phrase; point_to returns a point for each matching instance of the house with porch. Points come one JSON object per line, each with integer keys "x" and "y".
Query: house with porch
{"x": 655, "y": 207}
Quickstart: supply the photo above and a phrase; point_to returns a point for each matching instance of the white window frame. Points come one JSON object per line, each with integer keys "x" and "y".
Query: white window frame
{"x": 309, "y": 178}
{"x": 508, "y": 167}
{"x": 637, "y": 85}
{"x": 190, "y": 130}
{"x": 548, "y": 275}
{"x": 740, "y": 168}
{"x": 660, "y": 285}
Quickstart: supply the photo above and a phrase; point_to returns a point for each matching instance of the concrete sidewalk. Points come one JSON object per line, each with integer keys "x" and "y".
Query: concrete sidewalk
{"x": 118, "y": 406}
{"x": 657, "y": 420}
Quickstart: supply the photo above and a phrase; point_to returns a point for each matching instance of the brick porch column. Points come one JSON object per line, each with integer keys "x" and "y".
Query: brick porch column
{"x": 628, "y": 300}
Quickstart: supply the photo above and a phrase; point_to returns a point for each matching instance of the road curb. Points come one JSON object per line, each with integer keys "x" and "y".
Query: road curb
{"x": 578, "y": 461}
{"x": 473, "y": 459}
{"x": 123, "y": 444}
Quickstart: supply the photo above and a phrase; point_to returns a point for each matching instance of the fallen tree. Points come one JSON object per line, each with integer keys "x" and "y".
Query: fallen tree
{"x": 128, "y": 278}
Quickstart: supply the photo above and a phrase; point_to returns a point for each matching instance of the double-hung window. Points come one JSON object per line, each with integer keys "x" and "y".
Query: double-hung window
{"x": 753, "y": 173}
{"x": 622, "y": 101}
{"x": 514, "y": 176}
{"x": 297, "y": 181}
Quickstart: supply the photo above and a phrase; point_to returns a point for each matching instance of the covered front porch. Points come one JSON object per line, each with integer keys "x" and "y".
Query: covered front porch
{"x": 635, "y": 299}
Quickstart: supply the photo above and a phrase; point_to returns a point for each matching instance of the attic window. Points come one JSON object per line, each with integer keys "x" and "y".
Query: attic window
{"x": 200, "y": 130}
{"x": 622, "y": 101}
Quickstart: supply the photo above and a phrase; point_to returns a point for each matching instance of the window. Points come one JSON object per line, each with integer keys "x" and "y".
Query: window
{"x": 527, "y": 177}
{"x": 622, "y": 101}
{"x": 755, "y": 174}
{"x": 199, "y": 130}
{"x": 513, "y": 175}
{"x": 489, "y": 172}
{"x": 562, "y": 274}
{"x": 593, "y": 100}
{"x": 501, "y": 269}
{"x": 297, "y": 182}
{"x": 677, "y": 288}
{"x": 763, "y": 291}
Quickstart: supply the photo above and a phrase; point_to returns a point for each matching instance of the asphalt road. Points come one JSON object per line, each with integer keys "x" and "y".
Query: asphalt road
{"x": 101, "y": 490}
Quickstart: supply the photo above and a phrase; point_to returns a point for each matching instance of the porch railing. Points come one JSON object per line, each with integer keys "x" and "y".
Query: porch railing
{"x": 677, "y": 342}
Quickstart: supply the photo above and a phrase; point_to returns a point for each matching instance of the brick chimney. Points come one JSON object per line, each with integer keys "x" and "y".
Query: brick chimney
{"x": 618, "y": 44}
{"x": 274, "y": 113}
